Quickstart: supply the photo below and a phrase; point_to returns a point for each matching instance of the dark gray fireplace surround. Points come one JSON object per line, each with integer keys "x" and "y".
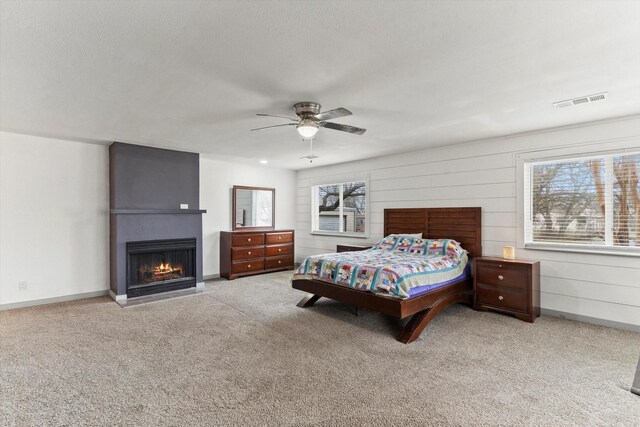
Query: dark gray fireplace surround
{"x": 147, "y": 187}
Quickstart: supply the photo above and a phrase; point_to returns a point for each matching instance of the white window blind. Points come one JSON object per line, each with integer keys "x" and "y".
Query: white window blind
{"x": 585, "y": 201}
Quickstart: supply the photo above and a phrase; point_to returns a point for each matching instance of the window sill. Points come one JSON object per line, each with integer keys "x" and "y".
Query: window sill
{"x": 337, "y": 234}
{"x": 596, "y": 250}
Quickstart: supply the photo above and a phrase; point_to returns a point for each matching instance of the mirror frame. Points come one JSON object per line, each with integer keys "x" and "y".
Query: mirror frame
{"x": 233, "y": 207}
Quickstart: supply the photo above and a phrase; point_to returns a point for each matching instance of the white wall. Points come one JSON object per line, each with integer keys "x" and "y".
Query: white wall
{"x": 483, "y": 173}
{"x": 216, "y": 180}
{"x": 54, "y": 204}
{"x": 54, "y": 226}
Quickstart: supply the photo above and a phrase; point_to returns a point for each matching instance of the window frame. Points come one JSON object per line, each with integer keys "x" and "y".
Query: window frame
{"x": 340, "y": 182}
{"x": 525, "y": 160}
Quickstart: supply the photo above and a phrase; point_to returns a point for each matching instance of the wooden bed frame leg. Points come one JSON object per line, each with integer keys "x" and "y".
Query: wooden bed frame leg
{"x": 421, "y": 319}
{"x": 416, "y": 325}
{"x": 308, "y": 301}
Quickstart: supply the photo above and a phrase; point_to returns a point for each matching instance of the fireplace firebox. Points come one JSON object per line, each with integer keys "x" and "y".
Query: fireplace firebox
{"x": 160, "y": 265}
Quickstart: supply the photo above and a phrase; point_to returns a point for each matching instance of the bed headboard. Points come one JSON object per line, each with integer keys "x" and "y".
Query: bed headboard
{"x": 461, "y": 224}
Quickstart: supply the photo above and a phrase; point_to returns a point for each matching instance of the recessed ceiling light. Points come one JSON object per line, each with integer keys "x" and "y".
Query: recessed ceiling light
{"x": 264, "y": 162}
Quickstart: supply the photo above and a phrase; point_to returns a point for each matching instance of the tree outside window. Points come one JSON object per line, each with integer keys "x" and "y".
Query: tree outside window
{"x": 340, "y": 208}
{"x": 586, "y": 201}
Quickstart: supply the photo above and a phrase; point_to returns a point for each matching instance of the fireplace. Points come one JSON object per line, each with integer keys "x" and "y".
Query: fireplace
{"x": 160, "y": 265}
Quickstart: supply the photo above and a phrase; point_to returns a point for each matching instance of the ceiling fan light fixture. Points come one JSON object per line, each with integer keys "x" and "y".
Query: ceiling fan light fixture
{"x": 307, "y": 128}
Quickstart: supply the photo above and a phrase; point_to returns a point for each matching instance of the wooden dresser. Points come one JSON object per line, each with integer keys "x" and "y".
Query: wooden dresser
{"x": 244, "y": 253}
{"x": 507, "y": 285}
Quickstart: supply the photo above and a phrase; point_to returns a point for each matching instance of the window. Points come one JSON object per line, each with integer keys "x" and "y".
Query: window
{"x": 585, "y": 203}
{"x": 339, "y": 208}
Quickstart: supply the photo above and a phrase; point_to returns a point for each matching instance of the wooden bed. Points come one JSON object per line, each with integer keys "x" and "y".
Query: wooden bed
{"x": 461, "y": 224}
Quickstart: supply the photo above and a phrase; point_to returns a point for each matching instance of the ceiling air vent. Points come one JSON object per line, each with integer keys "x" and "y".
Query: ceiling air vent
{"x": 581, "y": 100}
{"x": 563, "y": 104}
{"x": 598, "y": 97}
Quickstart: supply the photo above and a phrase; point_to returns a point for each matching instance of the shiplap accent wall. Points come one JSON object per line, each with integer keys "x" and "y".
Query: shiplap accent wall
{"x": 484, "y": 173}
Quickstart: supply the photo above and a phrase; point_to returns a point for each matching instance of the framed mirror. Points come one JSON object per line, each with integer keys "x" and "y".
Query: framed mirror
{"x": 253, "y": 208}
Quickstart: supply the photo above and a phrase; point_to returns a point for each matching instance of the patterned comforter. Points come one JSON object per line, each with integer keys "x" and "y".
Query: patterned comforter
{"x": 392, "y": 267}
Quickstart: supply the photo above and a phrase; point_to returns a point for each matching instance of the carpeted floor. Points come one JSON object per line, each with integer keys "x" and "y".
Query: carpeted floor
{"x": 244, "y": 354}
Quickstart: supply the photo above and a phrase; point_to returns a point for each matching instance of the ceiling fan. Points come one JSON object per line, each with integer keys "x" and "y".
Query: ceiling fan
{"x": 310, "y": 119}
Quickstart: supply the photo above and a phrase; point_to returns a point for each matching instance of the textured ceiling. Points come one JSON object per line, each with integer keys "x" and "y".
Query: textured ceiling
{"x": 192, "y": 75}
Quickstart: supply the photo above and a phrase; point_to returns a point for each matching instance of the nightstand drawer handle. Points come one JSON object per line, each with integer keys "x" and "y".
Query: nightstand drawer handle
{"x": 249, "y": 239}
{"x": 249, "y": 253}
{"x": 501, "y": 277}
{"x": 279, "y": 250}
{"x": 500, "y": 297}
{"x": 249, "y": 266}
{"x": 279, "y": 262}
{"x": 279, "y": 237}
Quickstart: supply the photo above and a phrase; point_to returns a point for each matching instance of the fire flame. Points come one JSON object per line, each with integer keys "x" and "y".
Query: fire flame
{"x": 163, "y": 268}
{"x": 162, "y": 271}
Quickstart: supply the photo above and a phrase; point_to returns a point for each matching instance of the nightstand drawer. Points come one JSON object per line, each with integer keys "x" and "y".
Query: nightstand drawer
{"x": 502, "y": 298}
{"x": 247, "y": 253}
{"x": 247, "y": 240}
{"x": 243, "y": 267}
{"x": 494, "y": 274}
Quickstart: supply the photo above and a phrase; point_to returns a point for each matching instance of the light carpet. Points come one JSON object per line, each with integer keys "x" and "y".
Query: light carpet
{"x": 245, "y": 355}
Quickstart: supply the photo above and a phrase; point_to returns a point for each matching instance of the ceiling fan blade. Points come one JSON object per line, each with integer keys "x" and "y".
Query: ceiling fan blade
{"x": 281, "y": 117}
{"x": 343, "y": 128}
{"x": 275, "y": 126}
{"x": 333, "y": 114}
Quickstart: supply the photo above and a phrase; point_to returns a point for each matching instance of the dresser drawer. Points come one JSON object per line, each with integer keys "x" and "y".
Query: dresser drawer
{"x": 280, "y": 261}
{"x": 249, "y": 252}
{"x": 247, "y": 239}
{"x": 275, "y": 250}
{"x": 494, "y": 274}
{"x": 502, "y": 298}
{"x": 285, "y": 237}
{"x": 245, "y": 266}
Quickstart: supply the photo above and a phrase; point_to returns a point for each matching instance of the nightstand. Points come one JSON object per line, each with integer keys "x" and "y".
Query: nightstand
{"x": 352, "y": 248}
{"x": 509, "y": 286}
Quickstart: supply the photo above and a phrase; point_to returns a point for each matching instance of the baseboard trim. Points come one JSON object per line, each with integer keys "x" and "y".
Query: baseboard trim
{"x": 210, "y": 277}
{"x": 592, "y": 320}
{"x": 117, "y": 298}
{"x": 53, "y": 300}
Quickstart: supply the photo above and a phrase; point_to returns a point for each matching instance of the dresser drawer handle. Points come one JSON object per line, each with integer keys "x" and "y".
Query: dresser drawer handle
{"x": 249, "y": 266}
{"x": 279, "y": 237}
{"x": 500, "y": 297}
{"x": 249, "y": 253}
{"x": 500, "y": 277}
{"x": 249, "y": 239}
{"x": 279, "y": 250}
{"x": 279, "y": 262}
